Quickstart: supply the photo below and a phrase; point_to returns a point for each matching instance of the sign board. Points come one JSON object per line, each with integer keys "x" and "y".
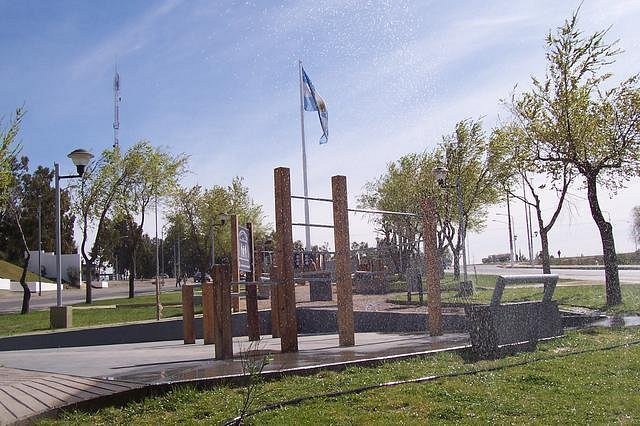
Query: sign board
{"x": 244, "y": 250}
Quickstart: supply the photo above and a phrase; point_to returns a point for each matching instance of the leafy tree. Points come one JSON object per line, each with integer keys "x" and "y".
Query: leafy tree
{"x": 102, "y": 183}
{"x": 521, "y": 168}
{"x": 9, "y": 148}
{"x": 154, "y": 176}
{"x": 195, "y": 216}
{"x": 400, "y": 189}
{"x": 477, "y": 164}
{"x": 14, "y": 207}
{"x": 575, "y": 120}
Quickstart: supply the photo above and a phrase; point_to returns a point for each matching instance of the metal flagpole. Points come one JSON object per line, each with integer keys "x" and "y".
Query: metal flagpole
{"x": 304, "y": 163}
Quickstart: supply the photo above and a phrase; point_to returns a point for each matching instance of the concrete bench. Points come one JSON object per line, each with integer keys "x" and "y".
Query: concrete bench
{"x": 495, "y": 327}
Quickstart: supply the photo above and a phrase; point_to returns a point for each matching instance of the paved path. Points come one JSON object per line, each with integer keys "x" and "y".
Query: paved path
{"x": 631, "y": 276}
{"x": 49, "y": 379}
{"x": 25, "y": 394}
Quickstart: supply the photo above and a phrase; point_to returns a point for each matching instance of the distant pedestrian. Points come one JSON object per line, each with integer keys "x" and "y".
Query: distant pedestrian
{"x": 558, "y": 254}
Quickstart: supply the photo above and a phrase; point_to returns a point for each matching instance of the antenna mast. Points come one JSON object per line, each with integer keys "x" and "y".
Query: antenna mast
{"x": 116, "y": 107}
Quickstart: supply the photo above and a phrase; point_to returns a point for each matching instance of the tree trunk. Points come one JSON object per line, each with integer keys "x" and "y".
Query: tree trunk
{"x": 456, "y": 263}
{"x": 88, "y": 279}
{"x": 544, "y": 251}
{"x": 612, "y": 279}
{"x": 132, "y": 272}
{"x": 26, "y": 295}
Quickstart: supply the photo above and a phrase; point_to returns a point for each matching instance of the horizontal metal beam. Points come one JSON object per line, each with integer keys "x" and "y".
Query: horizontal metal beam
{"x": 383, "y": 212}
{"x": 312, "y": 225}
{"x": 325, "y": 200}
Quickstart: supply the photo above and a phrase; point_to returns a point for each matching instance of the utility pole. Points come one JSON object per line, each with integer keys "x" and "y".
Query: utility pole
{"x": 116, "y": 108}
{"x": 510, "y": 230}
{"x": 527, "y": 223}
{"x": 39, "y": 247}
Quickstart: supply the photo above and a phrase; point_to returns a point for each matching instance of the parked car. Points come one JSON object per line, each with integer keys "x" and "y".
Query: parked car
{"x": 198, "y": 276}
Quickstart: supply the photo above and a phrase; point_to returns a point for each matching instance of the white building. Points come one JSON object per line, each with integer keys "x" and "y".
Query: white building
{"x": 71, "y": 271}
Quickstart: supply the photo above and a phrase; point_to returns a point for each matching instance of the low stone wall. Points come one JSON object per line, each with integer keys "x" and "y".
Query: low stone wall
{"x": 310, "y": 321}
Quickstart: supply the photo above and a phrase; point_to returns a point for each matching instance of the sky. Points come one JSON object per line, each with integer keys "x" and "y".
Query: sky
{"x": 218, "y": 81}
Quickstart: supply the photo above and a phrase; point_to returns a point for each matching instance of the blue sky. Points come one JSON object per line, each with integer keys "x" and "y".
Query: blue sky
{"x": 218, "y": 81}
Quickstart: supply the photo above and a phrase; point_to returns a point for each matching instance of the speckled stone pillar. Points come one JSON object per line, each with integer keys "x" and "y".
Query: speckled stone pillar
{"x": 429, "y": 232}
{"x": 222, "y": 311}
{"x": 343, "y": 265}
{"x": 284, "y": 252}
{"x": 208, "y": 312}
{"x": 188, "y": 328}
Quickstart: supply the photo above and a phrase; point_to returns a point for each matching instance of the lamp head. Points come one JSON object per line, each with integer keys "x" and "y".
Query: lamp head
{"x": 440, "y": 174}
{"x": 80, "y": 158}
{"x": 222, "y": 217}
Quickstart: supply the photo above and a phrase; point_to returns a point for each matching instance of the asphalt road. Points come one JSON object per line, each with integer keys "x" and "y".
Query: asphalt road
{"x": 11, "y": 301}
{"x": 631, "y": 276}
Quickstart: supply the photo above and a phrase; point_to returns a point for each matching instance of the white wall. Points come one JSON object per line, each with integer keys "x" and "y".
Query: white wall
{"x": 48, "y": 261}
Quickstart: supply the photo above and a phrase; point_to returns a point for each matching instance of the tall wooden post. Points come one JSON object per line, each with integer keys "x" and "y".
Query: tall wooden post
{"x": 222, "y": 301}
{"x": 434, "y": 307}
{"x": 253, "y": 318}
{"x": 343, "y": 262}
{"x": 208, "y": 312}
{"x": 188, "y": 329}
{"x": 235, "y": 270}
{"x": 288, "y": 323}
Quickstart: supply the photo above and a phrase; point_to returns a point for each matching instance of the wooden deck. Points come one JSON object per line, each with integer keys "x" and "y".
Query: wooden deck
{"x": 25, "y": 394}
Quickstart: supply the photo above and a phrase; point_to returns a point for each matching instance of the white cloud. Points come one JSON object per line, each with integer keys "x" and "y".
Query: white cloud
{"x": 124, "y": 41}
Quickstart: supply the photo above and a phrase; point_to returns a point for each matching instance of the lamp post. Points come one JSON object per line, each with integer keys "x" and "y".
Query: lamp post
{"x": 158, "y": 304}
{"x": 80, "y": 158}
{"x": 162, "y": 251}
{"x": 39, "y": 247}
{"x": 440, "y": 175}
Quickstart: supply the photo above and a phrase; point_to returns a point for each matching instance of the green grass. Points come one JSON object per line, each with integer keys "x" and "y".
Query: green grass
{"x": 14, "y": 272}
{"x": 11, "y": 324}
{"x": 588, "y": 388}
{"x": 588, "y": 296}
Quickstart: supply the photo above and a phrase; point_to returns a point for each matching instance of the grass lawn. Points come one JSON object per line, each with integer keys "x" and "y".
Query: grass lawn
{"x": 39, "y": 320}
{"x": 574, "y": 380}
{"x": 588, "y": 296}
{"x": 13, "y": 272}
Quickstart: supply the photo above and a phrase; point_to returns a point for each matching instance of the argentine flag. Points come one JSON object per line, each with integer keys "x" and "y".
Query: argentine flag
{"x": 314, "y": 102}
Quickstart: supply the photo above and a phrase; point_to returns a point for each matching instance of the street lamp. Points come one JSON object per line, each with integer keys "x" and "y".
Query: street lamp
{"x": 440, "y": 174}
{"x": 80, "y": 158}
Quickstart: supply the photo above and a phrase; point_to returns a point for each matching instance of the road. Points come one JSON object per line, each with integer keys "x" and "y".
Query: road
{"x": 11, "y": 301}
{"x": 631, "y": 276}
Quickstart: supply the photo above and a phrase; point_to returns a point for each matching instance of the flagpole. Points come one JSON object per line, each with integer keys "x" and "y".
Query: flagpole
{"x": 304, "y": 163}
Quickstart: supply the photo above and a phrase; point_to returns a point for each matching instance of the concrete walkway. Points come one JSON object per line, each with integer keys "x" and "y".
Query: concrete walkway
{"x": 40, "y": 381}
{"x": 26, "y": 394}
